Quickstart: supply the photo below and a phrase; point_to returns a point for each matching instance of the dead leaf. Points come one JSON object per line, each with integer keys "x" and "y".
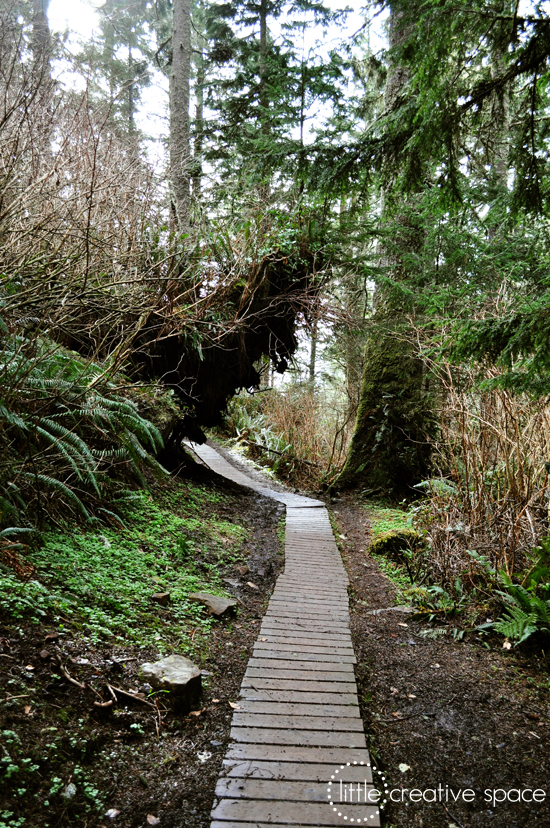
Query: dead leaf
{"x": 196, "y": 712}
{"x": 262, "y": 639}
{"x": 234, "y": 706}
{"x": 152, "y": 820}
{"x": 437, "y": 666}
{"x": 27, "y": 710}
{"x": 215, "y": 701}
{"x": 394, "y": 691}
{"x": 401, "y": 624}
{"x": 506, "y": 645}
{"x": 250, "y": 584}
{"x": 112, "y": 813}
{"x": 404, "y": 768}
{"x": 397, "y": 715}
{"x": 411, "y": 696}
{"x": 29, "y": 667}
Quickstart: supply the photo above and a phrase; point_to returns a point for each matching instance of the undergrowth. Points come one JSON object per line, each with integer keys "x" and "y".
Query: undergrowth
{"x": 100, "y": 582}
{"x": 477, "y": 590}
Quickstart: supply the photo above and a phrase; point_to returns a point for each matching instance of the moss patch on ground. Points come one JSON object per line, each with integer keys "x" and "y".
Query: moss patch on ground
{"x": 101, "y": 582}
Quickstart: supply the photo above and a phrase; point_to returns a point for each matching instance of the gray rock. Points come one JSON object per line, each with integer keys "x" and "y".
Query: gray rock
{"x": 178, "y": 675}
{"x": 214, "y": 604}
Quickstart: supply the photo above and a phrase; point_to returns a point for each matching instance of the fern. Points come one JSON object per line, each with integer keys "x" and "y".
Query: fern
{"x": 60, "y": 488}
{"x": 518, "y": 625}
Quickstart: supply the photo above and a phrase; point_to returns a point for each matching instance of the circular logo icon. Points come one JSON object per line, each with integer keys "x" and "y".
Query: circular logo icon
{"x": 341, "y": 794}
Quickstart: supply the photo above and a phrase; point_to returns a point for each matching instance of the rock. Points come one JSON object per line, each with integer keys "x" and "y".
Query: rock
{"x": 215, "y": 605}
{"x": 162, "y": 598}
{"x": 178, "y": 675}
{"x": 69, "y": 791}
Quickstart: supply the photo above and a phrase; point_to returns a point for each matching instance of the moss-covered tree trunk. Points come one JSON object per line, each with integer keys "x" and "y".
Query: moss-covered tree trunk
{"x": 390, "y": 448}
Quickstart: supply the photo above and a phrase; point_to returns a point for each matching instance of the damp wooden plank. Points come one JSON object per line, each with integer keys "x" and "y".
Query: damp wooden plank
{"x": 294, "y": 771}
{"x": 312, "y": 676}
{"x": 286, "y": 721}
{"x": 286, "y": 662}
{"x": 291, "y": 753}
{"x": 297, "y": 738}
{"x": 304, "y": 647}
{"x": 298, "y": 696}
{"x": 288, "y": 790}
{"x": 289, "y": 709}
{"x": 311, "y": 685}
{"x": 268, "y": 812}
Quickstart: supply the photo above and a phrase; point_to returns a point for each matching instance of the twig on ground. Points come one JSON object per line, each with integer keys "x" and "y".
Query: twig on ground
{"x": 68, "y": 676}
{"x": 133, "y": 696}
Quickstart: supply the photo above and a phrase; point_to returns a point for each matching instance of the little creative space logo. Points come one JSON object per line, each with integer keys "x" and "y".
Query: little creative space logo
{"x": 341, "y": 793}
{"x": 360, "y": 801}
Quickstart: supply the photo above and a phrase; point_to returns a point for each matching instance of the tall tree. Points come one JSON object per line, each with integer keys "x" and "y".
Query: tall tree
{"x": 389, "y": 450}
{"x": 180, "y": 150}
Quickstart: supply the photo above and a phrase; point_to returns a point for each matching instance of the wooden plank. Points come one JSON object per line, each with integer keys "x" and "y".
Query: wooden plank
{"x": 293, "y": 611}
{"x": 284, "y": 720}
{"x": 288, "y": 790}
{"x": 304, "y": 646}
{"x": 309, "y": 641}
{"x": 290, "y": 753}
{"x": 289, "y": 709}
{"x": 275, "y": 639}
{"x": 327, "y": 602}
{"x": 266, "y": 812}
{"x": 308, "y": 697}
{"x": 297, "y": 738}
{"x": 278, "y": 655}
{"x": 255, "y": 769}
{"x": 303, "y": 627}
{"x": 311, "y": 686}
{"x": 286, "y": 662}
{"x": 284, "y": 673}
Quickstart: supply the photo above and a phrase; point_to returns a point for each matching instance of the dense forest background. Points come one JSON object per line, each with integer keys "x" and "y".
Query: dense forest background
{"x": 368, "y": 223}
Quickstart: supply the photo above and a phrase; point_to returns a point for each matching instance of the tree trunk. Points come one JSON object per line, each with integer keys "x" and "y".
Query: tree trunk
{"x": 180, "y": 156}
{"x": 41, "y": 38}
{"x": 390, "y": 451}
{"x": 313, "y": 351}
{"x": 200, "y": 76}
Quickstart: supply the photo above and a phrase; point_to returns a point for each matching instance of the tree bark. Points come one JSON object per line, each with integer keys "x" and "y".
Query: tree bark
{"x": 180, "y": 155}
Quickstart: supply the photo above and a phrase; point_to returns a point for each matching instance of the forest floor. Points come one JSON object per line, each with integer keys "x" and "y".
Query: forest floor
{"x": 460, "y": 714}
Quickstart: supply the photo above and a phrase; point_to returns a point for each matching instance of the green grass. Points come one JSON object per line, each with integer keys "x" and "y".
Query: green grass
{"x": 101, "y": 581}
{"x": 387, "y": 519}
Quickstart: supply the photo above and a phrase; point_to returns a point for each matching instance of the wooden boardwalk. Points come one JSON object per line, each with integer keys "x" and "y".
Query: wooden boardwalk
{"x": 299, "y": 756}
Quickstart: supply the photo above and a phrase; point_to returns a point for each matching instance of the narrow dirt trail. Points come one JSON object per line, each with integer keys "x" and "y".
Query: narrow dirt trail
{"x": 299, "y": 755}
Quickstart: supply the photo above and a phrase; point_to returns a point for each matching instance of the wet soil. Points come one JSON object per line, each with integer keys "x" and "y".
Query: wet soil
{"x": 447, "y": 713}
{"x": 130, "y": 764}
